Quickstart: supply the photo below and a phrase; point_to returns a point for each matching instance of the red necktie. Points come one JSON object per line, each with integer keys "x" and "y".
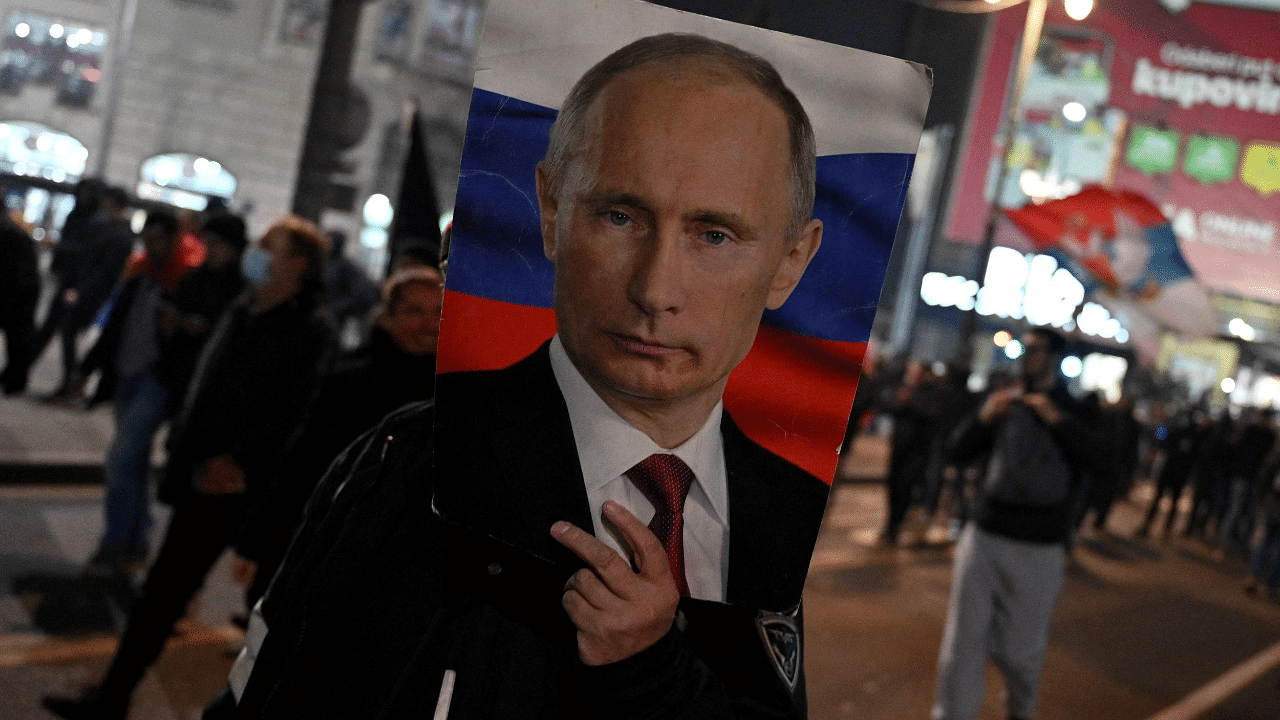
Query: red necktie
{"x": 665, "y": 481}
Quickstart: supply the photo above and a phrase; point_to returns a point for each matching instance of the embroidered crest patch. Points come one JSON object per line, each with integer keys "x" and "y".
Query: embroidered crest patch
{"x": 780, "y": 634}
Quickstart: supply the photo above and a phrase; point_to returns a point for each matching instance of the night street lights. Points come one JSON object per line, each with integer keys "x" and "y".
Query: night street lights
{"x": 1031, "y": 31}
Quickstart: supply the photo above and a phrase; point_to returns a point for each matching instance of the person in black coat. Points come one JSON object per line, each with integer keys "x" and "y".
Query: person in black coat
{"x": 110, "y": 242}
{"x": 254, "y": 383}
{"x": 1181, "y": 447}
{"x": 193, "y": 310}
{"x": 407, "y": 596}
{"x": 127, "y": 353}
{"x": 394, "y": 367}
{"x": 19, "y": 293}
{"x": 70, "y": 254}
{"x": 475, "y": 572}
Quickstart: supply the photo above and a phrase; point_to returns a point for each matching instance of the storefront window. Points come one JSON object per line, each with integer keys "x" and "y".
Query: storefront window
{"x": 42, "y": 51}
{"x": 185, "y": 180}
{"x": 33, "y": 150}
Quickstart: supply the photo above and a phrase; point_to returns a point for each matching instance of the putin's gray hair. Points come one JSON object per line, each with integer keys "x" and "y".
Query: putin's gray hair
{"x": 680, "y": 48}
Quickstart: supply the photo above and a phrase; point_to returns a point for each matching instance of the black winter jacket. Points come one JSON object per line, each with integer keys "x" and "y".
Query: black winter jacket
{"x": 1081, "y": 445}
{"x": 255, "y": 381}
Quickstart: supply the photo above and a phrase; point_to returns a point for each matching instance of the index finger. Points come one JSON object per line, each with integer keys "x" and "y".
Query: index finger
{"x": 650, "y": 557}
{"x": 599, "y": 557}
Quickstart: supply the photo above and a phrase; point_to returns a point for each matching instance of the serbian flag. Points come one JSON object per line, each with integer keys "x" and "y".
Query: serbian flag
{"x": 1118, "y": 242}
{"x": 793, "y": 392}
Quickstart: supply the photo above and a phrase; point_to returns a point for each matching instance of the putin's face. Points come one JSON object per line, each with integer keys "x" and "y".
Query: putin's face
{"x": 670, "y": 235}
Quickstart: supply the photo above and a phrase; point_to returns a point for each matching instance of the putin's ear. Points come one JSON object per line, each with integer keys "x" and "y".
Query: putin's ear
{"x": 793, "y": 264}
{"x": 547, "y": 207}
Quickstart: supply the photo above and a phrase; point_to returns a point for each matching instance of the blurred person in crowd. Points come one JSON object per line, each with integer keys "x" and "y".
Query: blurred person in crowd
{"x": 1208, "y": 503}
{"x": 1113, "y": 477}
{"x": 189, "y": 315}
{"x": 1254, "y": 440}
{"x": 394, "y": 367}
{"x": 1010, "y": 558}
{"x": 1181, "y": 446}
{"x": 69, "y": 257}
{"x": 866, "y": 400}
{"x": 107, "y": 247}
{"x": 953, "y": 403}
{"x": 255, "y": 381}
{"x": 351, "y": 294}
{"x": 1090, "y": 406}
{"x": 127, "y": 353}
{"x": 19, "y": 294}
{"x": 187, "y": 252}
{"x": 1264, "y": 564}
{"x": 971, "y": 469}
{"x": 914, "y": 412}
{"x": 668, "y": 241}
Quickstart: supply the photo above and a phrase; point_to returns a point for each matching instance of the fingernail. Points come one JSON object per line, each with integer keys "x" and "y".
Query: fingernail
{"x": 559, "y": 528}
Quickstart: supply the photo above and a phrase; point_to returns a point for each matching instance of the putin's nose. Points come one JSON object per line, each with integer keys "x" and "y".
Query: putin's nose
{"x": 656, "y": 283}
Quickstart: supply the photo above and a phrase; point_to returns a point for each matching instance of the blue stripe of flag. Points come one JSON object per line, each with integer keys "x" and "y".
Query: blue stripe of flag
{"x": 497, "y": 245}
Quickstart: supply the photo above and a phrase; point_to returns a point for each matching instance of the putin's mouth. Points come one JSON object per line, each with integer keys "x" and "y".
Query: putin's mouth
{"x": 644, "y": 347}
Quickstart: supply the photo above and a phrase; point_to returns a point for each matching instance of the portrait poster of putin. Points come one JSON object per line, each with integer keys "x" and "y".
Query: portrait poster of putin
{"x": 668, "y": 244}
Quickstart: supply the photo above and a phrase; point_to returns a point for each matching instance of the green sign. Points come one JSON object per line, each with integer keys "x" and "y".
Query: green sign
{"x": 1152, "y": 151}
{"x": 1211, "y": 159}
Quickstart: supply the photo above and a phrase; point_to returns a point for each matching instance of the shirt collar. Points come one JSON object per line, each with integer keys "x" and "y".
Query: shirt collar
{"x": 608, "y": 445}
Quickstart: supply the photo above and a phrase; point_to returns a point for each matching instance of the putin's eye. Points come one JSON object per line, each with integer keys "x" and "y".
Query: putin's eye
{"x": 618, "y": 218}
{"x": 715, "y": 237}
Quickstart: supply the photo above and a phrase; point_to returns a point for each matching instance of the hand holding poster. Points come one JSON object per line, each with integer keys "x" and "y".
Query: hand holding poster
{"x": 606, "y": 289}
{"x": 591, "y": 532}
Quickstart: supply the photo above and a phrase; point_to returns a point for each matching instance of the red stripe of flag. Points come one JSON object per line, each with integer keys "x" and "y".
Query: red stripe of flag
{"x": 792, "y": 394}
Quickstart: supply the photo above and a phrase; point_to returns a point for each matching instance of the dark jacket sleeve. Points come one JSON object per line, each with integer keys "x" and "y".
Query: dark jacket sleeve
{"x": 277, "y": 602}
{"x": 279, "y": 506}
{"x": 317, "y": 511}
{"x": 672, "y": 680}
{"x": 301, "y": 364}
{"x": 1083, "y": 442}
{"x": 299, "y": 625}
{"x": 1079, "y": 436}
{"x": 971, "y": 439}
{"x": 667, "y": 680}
{"x": 481, "y": 629}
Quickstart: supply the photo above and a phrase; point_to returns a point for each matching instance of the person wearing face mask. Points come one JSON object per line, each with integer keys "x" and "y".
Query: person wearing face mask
{"x": 254, "y": 383}
{"x": 394, "y": 367}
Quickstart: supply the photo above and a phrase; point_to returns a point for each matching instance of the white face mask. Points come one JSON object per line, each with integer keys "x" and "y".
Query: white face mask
{"x": 255, "y": 266}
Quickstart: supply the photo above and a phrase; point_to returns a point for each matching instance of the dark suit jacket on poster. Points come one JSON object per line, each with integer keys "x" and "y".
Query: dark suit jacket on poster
{"x": 379, "y": 597}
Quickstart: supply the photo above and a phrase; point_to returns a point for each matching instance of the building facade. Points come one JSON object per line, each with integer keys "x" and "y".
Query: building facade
{"x": 183, "y": 100}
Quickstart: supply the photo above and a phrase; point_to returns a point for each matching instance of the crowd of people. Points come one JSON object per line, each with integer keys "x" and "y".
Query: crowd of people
{"x": 462, "y": 564}
{"x": 234, "y": 345}
{"x": 1024, "y": 466}
{"x": 1215, "y": 474}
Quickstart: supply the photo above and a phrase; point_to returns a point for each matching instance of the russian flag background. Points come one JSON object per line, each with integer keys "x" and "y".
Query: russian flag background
{"x": 793, "y": 392}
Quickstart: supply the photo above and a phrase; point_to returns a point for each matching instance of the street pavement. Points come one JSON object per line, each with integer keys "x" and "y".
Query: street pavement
{"x": 1145, "y": 629}
{"x": 50, "y": 522}
{"x": 1141, "y": 624}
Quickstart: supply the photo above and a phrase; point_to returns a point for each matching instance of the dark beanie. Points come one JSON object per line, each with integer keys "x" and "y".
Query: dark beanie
{"x": 228, "y": 228}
